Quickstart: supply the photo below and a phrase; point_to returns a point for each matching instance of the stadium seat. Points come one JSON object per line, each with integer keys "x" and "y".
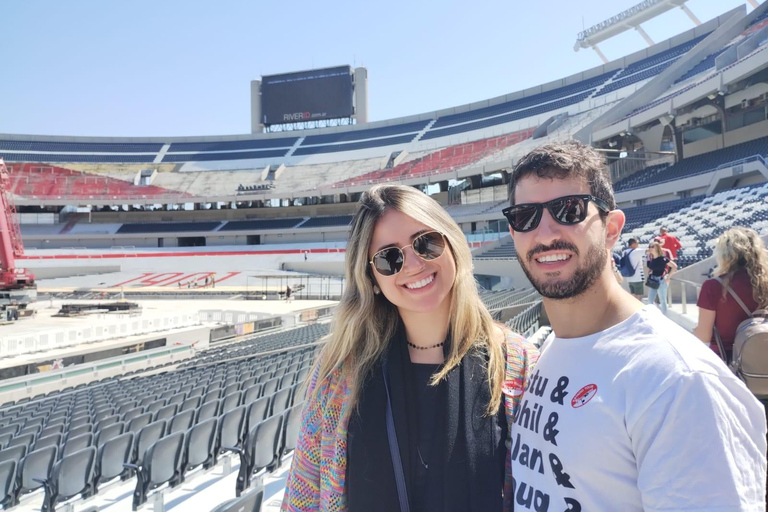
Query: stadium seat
{"x": 139, "y": 422}
{"x": 251, "y": 394}
{"x": 270, "y": 387}
{"x": 111, "y": 458}
{"x": 260, "y": 451}
{"x": 190, "y": 404}
{"x": 291, "y": 426}
{"x": 146, "y": 437}
{"x": 230, "y": 401}
{"x": 281, "y": 401}
{"x": 181, "y": 422}
{"x": 207, "y": 411}
{"x": 161, "y": 465}
{"x": 231, "y": 430}
{"x": 52, "y": 440}
{"x": 14, "y": 453}
{"x": 109, "y": 432}
{"x": 132, "y": 413}
{"x": 75, "y": 444}
{"x": 72, "y": 475}
{"x": 166, "y": 413}
{"x": 36, "y": 466}
{"x": 200, "y": 445}
{"x": 7, "y": 482}
{"x": 248, "y": 502}
{"x": 257, "y": 411}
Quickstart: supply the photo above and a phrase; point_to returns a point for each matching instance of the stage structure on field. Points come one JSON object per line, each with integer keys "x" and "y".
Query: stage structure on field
{"x": 317, "y": 98}
{"x": 17, "y": 285}
{"x": 630, "y": 19}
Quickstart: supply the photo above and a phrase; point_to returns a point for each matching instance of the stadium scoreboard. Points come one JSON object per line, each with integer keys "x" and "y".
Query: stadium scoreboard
{"x": 315, "y": 95}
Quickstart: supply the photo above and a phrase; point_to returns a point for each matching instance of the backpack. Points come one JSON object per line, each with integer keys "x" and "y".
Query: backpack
{"x": 625, "y": 264}
{"x": 750, "y": 349}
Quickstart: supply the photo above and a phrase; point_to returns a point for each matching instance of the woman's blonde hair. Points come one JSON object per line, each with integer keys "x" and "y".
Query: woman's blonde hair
{"x": 364, "y": 322}
{"x": 656, "y": 250}
{"x": 738, "y": 248}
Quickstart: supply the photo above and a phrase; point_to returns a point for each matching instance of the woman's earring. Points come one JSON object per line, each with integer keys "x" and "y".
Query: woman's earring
{"x": 376, "y": 290}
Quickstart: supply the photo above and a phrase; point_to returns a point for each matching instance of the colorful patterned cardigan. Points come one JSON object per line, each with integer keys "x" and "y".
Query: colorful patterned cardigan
{"x": 316, "y": 478}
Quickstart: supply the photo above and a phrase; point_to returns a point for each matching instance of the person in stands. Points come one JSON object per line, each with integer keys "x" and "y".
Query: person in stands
{"x": 660, "y": 269}
{"x": 742, "y": 266}
{"x": 635, "y": 281}
{"x": 669, "y": 242}
{"x": 626, "y": 410}
{"x": 414, "y": 393}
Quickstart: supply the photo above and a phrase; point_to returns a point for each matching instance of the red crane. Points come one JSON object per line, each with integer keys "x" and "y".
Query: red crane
{"x": 17, "y": 285}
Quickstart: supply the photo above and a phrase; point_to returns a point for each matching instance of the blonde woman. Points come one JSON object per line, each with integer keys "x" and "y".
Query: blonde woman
{"x": 742, "y": 265}
{"x": 660, "y": 269}
{"x": 412, "y": 399}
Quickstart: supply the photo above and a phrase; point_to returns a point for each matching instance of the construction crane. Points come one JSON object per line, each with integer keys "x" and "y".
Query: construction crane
{"x": 17, "y": 285}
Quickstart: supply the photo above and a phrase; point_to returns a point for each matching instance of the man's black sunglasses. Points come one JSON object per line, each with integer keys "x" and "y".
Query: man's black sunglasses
{"x": 566, "y": 210}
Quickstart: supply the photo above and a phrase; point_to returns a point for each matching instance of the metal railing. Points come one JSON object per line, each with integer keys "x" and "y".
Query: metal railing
{"x": 684, "y": 286}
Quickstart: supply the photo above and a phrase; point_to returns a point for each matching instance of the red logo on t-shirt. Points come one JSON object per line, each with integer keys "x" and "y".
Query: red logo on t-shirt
{"x": 583, "y": 396}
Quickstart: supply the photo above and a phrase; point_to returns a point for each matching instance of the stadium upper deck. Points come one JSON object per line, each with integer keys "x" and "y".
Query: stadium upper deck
{"x": 472, "y": 139}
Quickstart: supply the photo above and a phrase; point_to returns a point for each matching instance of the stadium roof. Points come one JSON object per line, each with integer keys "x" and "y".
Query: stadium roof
{"x": 627, "y": 20}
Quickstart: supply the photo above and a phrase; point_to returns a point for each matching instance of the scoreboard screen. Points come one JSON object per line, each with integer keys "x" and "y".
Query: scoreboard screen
{"x": 307, "y": 96}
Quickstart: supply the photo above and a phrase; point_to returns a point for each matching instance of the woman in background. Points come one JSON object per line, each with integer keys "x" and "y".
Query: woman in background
{"x": 742, "y": 265}
{"x": 660, "y": 269}
{"x": 410, "y": 342}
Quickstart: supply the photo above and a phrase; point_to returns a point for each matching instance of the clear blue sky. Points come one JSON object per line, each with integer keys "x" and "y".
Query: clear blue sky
{"x": 183, "y": 67}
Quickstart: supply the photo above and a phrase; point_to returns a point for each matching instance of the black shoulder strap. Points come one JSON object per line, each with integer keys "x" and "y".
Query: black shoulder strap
{"x": 394, "y": 447}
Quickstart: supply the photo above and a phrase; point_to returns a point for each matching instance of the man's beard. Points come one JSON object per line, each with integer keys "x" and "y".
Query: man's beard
{"x": 583, "y": 277}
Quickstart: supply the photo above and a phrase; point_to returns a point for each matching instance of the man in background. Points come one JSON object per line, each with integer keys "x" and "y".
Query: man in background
{"x": 635, "y": 281}
{"x": 669, "y": 242}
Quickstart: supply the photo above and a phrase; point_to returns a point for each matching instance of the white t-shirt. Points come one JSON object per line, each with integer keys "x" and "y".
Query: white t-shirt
{"x": 639, "y": 417}
{"x": 636, "y": 260}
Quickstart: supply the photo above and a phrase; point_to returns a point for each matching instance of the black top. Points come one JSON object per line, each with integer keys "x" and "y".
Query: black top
{"x": 658, "y": 266}
{"x": 426, "y": 400}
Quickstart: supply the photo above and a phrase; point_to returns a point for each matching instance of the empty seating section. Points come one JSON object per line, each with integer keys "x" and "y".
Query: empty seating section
{"x": 506, "y": 250}
{"x": 257, "y": 224}
{"x": 162, "y": 427}
{"x": 324, "y": 222}
{"x": 296, "y": 337}
{"x": 642, "y": 75}
{"x": 463, "y": 210}
{"x": 445, "y": 160}
{"x": 694, "y": 165}
{"x": 494, "y": 300}
{"x": 83, "y": 147}
{"x": 638, "y": 215}
{"x": 212, "y": 157}
{"x": 649, "y": 67}
{"x": 659, "y": 58}
{"x": 353, "y": 146}
{"x": 233, "y": 145}
{"x": 164, "y": 227}
{"x": 46, "y": 181}
{"x": 385, "y": 131}
{"x": 641, "y": 178}
{"x": 706, "y": 63}
{"x": 698, "y": 224}
{"x": 540, "y": 99}
{"x": 506, "y": 118}
{"x": 75, "y": 157}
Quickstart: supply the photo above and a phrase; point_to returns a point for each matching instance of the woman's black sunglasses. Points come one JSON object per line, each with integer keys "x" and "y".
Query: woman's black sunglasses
{"x": 566, "y": 210}
{"x": 427, "y": 246}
